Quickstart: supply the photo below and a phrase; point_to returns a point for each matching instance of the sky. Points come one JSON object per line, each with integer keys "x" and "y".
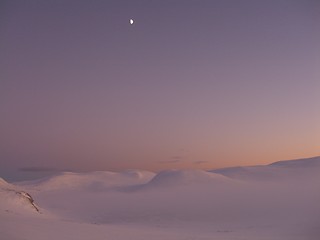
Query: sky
{"x": 191, "y": 84}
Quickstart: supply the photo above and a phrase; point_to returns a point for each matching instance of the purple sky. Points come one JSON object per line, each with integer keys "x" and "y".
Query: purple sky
{"x": 191, "y": 84}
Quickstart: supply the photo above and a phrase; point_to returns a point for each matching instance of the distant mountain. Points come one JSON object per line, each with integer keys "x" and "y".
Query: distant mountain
{"x": 298, "y": 163}
{"x": 171, "y": 178}
{"x": 274, "y": 171}
{"x": 98, "y": 180}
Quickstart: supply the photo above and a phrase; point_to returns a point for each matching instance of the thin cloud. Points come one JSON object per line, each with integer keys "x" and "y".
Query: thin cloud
{"x": 37, "y": 169}
{"x": 200, "y": 162}
{"x": 170, "y": 161}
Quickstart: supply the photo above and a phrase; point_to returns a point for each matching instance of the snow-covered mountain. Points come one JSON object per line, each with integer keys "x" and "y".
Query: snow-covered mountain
{"x": 99, "y": 180}
{"x": 313, "y": 162}
{"x": 178, "y": 178}
{"x": 14, "y": 199}
{"x": 289, "y": 170}
{"x": 278, "y": 201}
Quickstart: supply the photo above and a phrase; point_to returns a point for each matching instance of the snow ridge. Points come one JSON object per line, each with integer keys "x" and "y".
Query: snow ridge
{"x": 172, "y": 178}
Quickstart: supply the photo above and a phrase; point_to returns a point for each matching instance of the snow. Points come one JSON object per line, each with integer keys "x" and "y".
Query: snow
{"x": 276, "y": 201}
{"x": 299, "y": 163}
{"x": 283, "y": 170}
{"x": 91, "y": 180}
{"x": 172, "y": 178}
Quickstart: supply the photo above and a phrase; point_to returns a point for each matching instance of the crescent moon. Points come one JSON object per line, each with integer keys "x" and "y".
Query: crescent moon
{"x": 131, "y": 21}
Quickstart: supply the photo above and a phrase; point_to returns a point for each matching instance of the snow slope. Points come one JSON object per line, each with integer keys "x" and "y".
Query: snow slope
{"x": 13, "y": 199}
{"x": 91, "y": 181}
{"x": 276, "y": 201}
{"x": 176, "y": 178}
{"x": 283, "y": 170}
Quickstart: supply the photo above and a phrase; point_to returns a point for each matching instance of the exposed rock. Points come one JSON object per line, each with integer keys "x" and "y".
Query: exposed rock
{"x": 28, "y": 197}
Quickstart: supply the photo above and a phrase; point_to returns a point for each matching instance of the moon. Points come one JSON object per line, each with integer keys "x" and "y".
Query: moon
{"x": 131, "y": 21}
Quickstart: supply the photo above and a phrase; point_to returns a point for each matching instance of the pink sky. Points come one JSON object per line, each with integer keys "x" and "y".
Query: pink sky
{"x": 190, "y": 85}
